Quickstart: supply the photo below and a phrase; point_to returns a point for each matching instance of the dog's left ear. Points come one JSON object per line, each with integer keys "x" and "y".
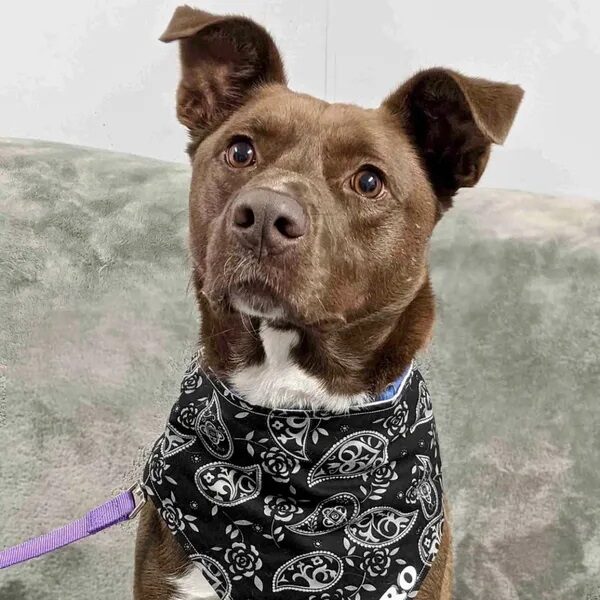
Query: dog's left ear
{"x": 453, "y": 120}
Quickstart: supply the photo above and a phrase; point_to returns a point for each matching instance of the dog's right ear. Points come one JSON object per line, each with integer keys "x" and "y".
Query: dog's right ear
{"x": 223, "y": 58}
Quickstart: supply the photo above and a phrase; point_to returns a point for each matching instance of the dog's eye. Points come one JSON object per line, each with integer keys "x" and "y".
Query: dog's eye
{"x": 240, "y": 154}
{"x": 367, "y": 182}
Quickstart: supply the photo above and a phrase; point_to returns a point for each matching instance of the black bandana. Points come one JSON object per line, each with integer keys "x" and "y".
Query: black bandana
{"x": 302, "y": 504}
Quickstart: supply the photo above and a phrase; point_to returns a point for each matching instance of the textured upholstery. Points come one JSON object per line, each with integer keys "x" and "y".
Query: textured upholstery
{"x": 97, "y": 320}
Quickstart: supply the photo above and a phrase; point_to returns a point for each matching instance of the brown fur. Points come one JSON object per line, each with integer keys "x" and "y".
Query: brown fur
{"x": 356, "y": 286}
{"x": 158, "y": 557}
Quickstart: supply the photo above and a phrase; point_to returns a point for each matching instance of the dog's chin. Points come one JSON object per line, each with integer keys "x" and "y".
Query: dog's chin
{"x": 262, "y": 307}
{"x": 280, "y": 314}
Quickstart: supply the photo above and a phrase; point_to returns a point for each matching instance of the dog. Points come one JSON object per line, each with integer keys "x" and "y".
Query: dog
{"x": 309, "y": 229}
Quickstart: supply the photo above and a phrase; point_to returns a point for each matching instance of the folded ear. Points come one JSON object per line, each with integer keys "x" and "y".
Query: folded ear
{"x": 222, "y": 59}
{"x": 453, "y": 120}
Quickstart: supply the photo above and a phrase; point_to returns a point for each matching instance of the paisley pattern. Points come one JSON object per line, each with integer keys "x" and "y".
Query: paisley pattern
{"x": 175, "y": 441}
{"x": 381, "y": 526}
{"x": 301, "y": 504}
{"x": 424, "y": 409}
{"x": 315, "y": 572}
{"x": 429, "y": 542}
{"x": 290, "y": 433}
{"x": 423, "y": 489}
{"x": 212, "y": 432}
{"x": 330, "y": 514}
{"x": 355, "y": 455}
{"x": 213, "y": 573}
{"x": 225, "y": 484}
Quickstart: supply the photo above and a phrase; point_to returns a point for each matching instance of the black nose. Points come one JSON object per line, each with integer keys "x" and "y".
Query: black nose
{"x": 267, "y": 221}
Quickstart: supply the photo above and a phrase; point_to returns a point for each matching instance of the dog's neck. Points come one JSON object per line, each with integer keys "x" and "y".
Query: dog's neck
{"x": 272, "y": 364}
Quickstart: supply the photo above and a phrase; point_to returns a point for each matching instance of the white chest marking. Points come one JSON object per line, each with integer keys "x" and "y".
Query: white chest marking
{"x": 193, "y": 586}
{"x": 280, "y": 383}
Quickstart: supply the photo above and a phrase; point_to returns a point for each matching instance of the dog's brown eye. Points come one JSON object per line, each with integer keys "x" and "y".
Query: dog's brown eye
{"x": 368, "y": 183}
{"x": 240, "y": 154}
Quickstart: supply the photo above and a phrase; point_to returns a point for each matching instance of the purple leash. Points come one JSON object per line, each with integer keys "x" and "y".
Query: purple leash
{"x": 123, "y": 507}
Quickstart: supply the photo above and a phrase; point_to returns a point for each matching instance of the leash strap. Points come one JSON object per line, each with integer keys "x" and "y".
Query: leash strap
{"x": 123, "y": 507}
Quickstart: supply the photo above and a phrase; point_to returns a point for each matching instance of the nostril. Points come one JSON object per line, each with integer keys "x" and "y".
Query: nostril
{"x": 289, "y": 228}
{"x": 284, "y": 226}
{"x": 243, "y": 216}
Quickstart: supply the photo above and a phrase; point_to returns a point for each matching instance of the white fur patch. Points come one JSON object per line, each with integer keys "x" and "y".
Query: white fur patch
{"x": 193, "y": 586}
{"x": 243, "y": 307}
{"x": 280, "y": 383}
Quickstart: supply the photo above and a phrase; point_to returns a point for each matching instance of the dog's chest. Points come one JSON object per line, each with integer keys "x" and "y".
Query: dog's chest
{"x": 270, "y": 501}
{"x": 278, "y": 382}
{"x": 193, "y": 586}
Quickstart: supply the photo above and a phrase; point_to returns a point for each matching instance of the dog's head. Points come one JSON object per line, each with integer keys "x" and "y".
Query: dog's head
{"x": 312, "y": 213}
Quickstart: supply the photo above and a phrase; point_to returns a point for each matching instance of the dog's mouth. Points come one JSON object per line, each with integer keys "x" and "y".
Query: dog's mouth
{"x": 257, "y": 300}
{"x": 265, "y": 291}
{"x": 236, "y": 282}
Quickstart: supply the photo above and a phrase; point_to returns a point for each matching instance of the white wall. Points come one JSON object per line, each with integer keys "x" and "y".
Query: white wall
{"x": 92, "y": 72}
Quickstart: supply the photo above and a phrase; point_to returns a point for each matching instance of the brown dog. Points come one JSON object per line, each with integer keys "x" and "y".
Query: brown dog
{"x": 309, "y": 230}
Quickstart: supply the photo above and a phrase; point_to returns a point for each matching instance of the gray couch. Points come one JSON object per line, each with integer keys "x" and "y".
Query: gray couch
{"x": 97, "y": 320}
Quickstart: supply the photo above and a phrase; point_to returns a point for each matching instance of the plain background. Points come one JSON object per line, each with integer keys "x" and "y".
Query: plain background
{"x": 92, "y": 72}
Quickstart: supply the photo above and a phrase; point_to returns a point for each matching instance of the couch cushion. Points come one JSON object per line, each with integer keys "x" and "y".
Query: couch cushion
{"x": 98, "y": 318}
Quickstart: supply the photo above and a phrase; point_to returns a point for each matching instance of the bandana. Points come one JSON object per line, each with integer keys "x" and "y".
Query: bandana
{"x": 307, "y": 504}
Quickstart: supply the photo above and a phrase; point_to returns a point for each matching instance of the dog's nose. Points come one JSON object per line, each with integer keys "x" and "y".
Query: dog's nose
{"x": 267, "y": 221}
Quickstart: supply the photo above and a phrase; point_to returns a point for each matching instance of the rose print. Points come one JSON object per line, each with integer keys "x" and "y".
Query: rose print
{"x": 279, "y": 465}
{"x": 379, "y": 480}
{"x": 191, "y": 382}
{"x": 173, "y": 517}
{"x": 243, "y": 560}
{"x": 158, "y": 466}
{"x": 280, "y": 508}
{"x": 397, "y": 423}
{"x": 187, "y": 416}
{"x": 376, "y": 562}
